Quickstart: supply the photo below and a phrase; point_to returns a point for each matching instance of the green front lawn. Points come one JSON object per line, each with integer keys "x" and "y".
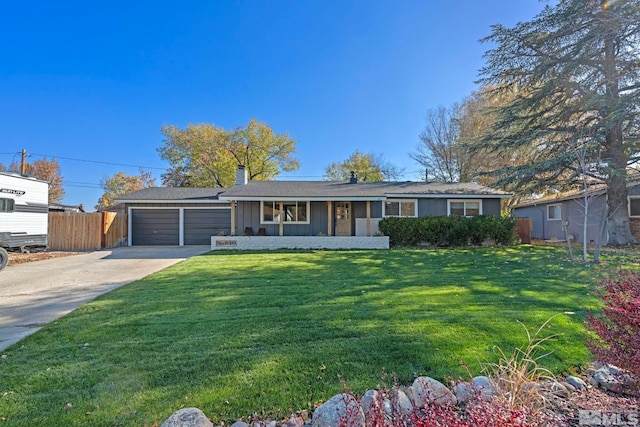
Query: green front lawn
{"x": 272, "y": 332}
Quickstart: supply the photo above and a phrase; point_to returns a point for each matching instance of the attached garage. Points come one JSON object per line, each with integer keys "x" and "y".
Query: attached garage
{"x": 201, "y": 224}
{"x": 176, "y": 216}
{"x": 155, "y": 227}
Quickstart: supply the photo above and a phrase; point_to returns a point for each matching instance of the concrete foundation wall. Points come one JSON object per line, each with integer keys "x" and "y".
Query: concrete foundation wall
{"x": 298, "y": 242}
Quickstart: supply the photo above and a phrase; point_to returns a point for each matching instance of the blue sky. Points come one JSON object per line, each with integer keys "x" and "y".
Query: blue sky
{"x": 95, "y": 80}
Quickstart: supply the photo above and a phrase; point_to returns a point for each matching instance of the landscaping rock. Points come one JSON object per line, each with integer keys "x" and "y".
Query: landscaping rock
{"x": 578, "y": 383}
{"x": 610, "y": 378}
{"x": 239, "y": 424}
{"x": 341, "y": 410}
{"x": 294, "y": 421}
{"x": 464, "y": 391}
{"x": 485, "y": 385}
{"x": 426, "y": 389}
{"x": 370, "y": 402}
{"x": 404, "y": 402}
{"x": 188, "y": 417}
{"x": 481, "y": 385}
{"x": 569, "y": 387}
{"x": 559, "y": 389}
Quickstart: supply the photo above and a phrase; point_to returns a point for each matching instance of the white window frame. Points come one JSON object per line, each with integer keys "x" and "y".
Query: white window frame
{"x": 629, "y": 205}
{"x": 559, "y": 205}
{"x": 400, "y": 201}
{"x": 277, "y": 204}
{"x": 465, "y": 201}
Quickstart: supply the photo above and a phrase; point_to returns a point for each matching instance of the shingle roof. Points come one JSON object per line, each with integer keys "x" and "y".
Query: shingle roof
{"x": 259, "y": 189}
{"x": 172, "y": 193}
{"x": 256, "y": 190}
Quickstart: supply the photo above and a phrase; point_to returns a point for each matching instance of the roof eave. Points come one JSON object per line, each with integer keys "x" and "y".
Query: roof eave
{"x": 218, "y": 201}
{"x": 450, "y": 196}
{"x": 301, "y": 198}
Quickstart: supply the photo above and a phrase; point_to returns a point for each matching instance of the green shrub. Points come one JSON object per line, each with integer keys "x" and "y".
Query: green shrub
{"x": 449, "y": 230}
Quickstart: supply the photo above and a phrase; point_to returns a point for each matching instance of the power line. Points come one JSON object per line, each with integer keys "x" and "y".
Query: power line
{"x": 97, "y": 161}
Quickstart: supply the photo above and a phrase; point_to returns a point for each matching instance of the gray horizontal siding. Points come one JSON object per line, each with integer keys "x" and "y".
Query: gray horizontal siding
{"x": 572, "y": 212}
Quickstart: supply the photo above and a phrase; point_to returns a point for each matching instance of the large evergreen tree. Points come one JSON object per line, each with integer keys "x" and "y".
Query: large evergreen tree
{"x": 574, "y": 71}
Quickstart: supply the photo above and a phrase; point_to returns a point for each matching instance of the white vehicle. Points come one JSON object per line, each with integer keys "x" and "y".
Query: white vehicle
{"x": 24, "y": 214}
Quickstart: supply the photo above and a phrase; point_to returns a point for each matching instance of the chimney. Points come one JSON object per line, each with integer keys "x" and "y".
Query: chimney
{"x": 241, "y": 176}
{"x": 353, "y": 179}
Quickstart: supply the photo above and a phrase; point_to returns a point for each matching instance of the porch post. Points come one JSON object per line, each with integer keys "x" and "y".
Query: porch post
{"x": 233, "y": 218}
{"x": 329, "y": 217}
{"x": 368, "y": 217}
{"x": 281, "y": 229}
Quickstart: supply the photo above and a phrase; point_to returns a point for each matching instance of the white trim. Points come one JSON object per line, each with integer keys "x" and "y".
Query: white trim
{"x": 448, "y": 196}
{"x": 129, "y": 227}
{"x": 181, "y": 227}
{"x": 400, "y": 201}
{"x": 479, "y": 201}
{"x": 217, "y": 202}
{"x": 629, "y": 198}
{"x": 302, "y": 199}
{"x": 262, "y": 221}
{"x": 559, "y": 205}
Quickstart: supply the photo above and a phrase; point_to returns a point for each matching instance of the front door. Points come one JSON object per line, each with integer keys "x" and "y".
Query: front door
{"x": 343, "y": 219}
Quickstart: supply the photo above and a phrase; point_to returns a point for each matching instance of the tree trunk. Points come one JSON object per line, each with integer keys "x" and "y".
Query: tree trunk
{"x": 619, "y": 224}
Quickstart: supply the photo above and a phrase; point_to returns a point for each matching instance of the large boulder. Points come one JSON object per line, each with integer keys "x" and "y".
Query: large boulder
{"x": 341, "y": 410}
{"x": 188, "y": 417}
{"x": 425, "y": 390}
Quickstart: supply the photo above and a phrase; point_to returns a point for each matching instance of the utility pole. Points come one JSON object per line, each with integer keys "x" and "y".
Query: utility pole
{"x": 23, "y": 164}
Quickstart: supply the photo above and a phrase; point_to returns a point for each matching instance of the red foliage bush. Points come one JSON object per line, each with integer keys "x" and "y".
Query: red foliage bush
{"x": 618, "y": 328}
{"x": 477, "y": 412}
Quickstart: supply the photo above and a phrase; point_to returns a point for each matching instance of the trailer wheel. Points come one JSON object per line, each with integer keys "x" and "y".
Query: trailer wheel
{"x": 4, "y": 258}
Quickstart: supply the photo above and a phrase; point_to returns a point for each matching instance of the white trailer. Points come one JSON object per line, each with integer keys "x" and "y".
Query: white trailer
{"x": 24, "y": 214}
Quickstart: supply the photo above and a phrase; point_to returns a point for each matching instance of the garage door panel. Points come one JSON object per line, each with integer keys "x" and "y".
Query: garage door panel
{"x": 201, "y": 224}
{"x": 155, "y": 226}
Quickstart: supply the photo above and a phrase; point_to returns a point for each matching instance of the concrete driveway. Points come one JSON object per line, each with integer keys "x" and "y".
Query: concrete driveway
{"x": 36, "y": 293}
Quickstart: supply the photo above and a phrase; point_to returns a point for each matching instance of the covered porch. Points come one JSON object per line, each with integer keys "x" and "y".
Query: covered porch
{"x": 282, "y": 217}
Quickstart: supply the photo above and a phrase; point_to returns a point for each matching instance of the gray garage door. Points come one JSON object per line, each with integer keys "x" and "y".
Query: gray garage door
{"x": 155, "y": 226}
{"x": 201, "y": 224}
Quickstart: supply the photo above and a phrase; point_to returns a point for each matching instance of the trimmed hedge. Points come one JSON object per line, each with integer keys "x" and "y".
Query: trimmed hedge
{"x": 449, "y": 230}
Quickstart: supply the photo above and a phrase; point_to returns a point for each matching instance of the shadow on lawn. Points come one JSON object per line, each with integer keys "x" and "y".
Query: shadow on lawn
{"x": 276, "y": 329}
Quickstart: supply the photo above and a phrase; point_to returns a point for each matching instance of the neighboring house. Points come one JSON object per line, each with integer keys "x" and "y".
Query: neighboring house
{"x": 175, "y": 216}
{"x": 548, "y": 213}
{"x": 188, "y": 216}
{"x": 309, "y": 208}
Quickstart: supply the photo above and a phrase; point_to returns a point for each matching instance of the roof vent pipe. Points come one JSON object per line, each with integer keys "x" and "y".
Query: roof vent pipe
{"x": 353, "y": 179}
{"x": 241, "y": 175}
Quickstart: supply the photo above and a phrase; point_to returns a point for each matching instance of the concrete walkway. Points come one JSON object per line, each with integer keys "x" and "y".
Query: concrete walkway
{"x": 36, "y": 293}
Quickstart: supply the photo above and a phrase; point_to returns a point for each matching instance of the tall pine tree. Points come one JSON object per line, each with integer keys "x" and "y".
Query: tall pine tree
{"x": 575, "y": 73}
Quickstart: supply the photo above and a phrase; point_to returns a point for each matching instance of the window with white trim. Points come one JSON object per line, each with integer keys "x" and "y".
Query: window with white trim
{"x": 634, "y": 206}
{"x": 7, "y": 205}
{"x": 554, "y": 212}
{"x": 464, "y": 207}
{"x": 400, "y": 207}
{"x": 296, "y": 212}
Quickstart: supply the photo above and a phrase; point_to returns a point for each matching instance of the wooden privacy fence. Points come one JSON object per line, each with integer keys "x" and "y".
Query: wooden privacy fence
{"x": 524, "y": 227}
{"x": 77, "y": 231}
